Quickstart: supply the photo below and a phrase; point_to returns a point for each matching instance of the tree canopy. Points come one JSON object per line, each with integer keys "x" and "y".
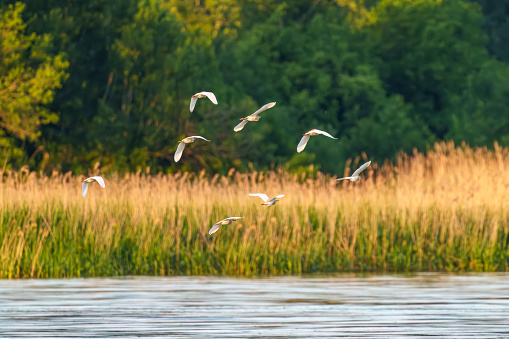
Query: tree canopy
{"x": 28, "y": 78}
{"x": 110, "y": 81}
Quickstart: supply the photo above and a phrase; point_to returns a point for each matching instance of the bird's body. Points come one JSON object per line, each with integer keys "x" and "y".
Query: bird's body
{"x": 355, "y": 176}
{"x": 86, "y": 183}
{"x": 304, "y": 141}
{"x": 266, "y": 200}
{"x": 191, "y": 139}
{"x": 182, "y": 145}
{"x": 253, "y": 117}
{"x": 350, "y": 178}
{"x": 226, "y": 221}
{"x": 200, "y": 95}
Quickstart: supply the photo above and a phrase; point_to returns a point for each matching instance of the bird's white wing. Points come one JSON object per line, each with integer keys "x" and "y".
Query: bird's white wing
{"x": 214, "y": 228}
{"x": 199, "y": 137}
{"x": 302, "y": 144}
{"x": 84, "y": 189}
{"x": 211, "y": 96}
{"x": 178, "y": 153}
{"x": 193, "y": 103}
{"x": 360, "y": 169}
{"x": 345, "y": 178}
{"x": 261, "y": 195}
{"x": 280, "y": 196}
{"x": 234, "y": 218}
{"x": 324, "y": 133}
{"x": 99, "y": 180}
{"x": 263, "y": 108}
{"x": 240, "y": 126}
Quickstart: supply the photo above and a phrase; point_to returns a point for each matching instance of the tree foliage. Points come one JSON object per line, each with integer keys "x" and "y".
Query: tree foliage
{"x": 383, "y": 76}
{"x": 496, "y": 25}
{"x": 481, "y": 113}
{"x": 28, "y": 78}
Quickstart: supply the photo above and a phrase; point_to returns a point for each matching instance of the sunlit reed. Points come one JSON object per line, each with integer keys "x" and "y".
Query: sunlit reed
{"x": 444, "y": 211}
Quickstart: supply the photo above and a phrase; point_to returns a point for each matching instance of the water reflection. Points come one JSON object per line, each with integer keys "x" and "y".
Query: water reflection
{"x": 459, "y": 306}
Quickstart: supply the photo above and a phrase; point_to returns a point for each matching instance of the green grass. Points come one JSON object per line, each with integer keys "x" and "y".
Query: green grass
{"x": 397, "y": 220}
{"x": 61, "y": 242}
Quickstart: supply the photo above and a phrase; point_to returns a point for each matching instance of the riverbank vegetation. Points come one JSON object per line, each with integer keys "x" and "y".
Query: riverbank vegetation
{"x": 444, "y": 211}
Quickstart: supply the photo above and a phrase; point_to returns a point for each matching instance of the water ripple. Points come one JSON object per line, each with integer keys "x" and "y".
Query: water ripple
{"x": 438, "y": 305}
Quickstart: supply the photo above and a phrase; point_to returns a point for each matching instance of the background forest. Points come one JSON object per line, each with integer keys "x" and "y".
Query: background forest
{"x": 89, "y": 81}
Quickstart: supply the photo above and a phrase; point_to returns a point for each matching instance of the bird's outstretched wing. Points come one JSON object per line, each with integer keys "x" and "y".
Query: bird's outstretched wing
{"x": 199, "y": 137}
{"x": 264, "y": 196}
{"x": 345, "y": 178}
{"x": 84, "y": 189}
{"x": 360, "y": 169}
{"x": 215, "y": 227}
{"x": 178, "y": 153}
{"x": 302, "y": 144}
{"x": 193, "y": 103}
{"x": 99, "y": 180}
{"x": 323, "y": 133}
{"x": 263, "y": 108}
{"x": 194, "y": 98}
{"x": 280, "y": 196}
{"x": 211, "y": 96}
{"x": 240, "y": 126}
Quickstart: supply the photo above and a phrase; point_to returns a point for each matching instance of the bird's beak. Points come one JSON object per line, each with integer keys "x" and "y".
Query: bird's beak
{"x": 242, "y": 118}
{"x": 180, "y": 141}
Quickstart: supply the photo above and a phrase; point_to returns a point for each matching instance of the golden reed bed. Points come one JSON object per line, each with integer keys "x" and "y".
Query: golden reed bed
{"x": 446, "y": 210}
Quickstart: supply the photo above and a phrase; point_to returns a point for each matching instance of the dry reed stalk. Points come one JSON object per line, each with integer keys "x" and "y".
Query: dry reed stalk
{"x": 448, "y": 193}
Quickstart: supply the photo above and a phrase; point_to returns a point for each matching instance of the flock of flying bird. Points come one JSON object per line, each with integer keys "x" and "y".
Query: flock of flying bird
{"x": 252, "y": 117}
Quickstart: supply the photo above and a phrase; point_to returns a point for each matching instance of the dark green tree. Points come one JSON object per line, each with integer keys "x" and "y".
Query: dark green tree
{"x": 383, "y": 76}
{"x": 426, "y": 51}
{"x": 154, "y": 72}
{"x": 481, "y": 113}
{"x": 496, "y": 25}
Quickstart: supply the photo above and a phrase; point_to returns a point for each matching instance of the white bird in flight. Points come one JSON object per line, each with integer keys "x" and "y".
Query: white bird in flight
{"x": 253, "y": 117}
{"x": 200, "y": 95}
{"x": 355, "y": 176}
{"x": 226, "y": 221}
{"x": 265, "y": 198}
{"x": 182, "y": 145}
{"x": 86, "y": 182}
{"x": 304, "y": 141}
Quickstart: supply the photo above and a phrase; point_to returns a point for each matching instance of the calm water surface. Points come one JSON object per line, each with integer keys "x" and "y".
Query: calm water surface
{"x": 453, "y": 306}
